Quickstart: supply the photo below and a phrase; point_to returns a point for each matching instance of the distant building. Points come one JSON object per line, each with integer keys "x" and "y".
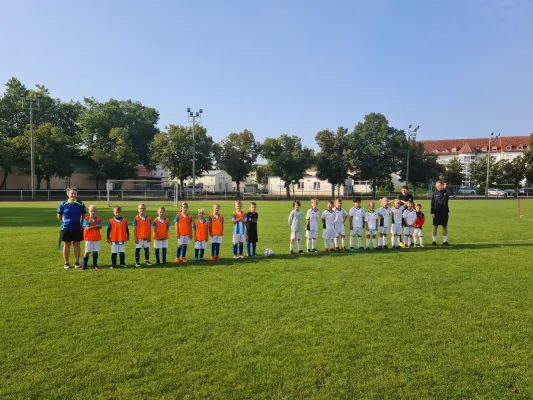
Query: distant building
{"x": 214, "y": 181}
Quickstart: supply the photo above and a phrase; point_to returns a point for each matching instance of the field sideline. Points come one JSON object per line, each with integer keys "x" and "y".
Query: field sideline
{"x": 416, "y": 323}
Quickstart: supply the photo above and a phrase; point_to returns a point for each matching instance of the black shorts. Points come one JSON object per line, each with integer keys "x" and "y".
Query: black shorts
{"x": 441, "y": 219}
{"x": 71, "y": 236}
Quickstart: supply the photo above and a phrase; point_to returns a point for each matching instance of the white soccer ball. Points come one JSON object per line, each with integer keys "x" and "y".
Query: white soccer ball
{"x": 268, "y": 252}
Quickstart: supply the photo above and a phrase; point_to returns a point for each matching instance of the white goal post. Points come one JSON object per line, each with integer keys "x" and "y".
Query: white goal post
{"x": 141, "y": 190}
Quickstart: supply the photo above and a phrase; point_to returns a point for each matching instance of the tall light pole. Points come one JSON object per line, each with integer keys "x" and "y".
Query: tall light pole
{"x": 193, "y": 116}
{"x": 31, "y": 101}
{"x": 411, "y": 134}
{"x": 492, "y": 138}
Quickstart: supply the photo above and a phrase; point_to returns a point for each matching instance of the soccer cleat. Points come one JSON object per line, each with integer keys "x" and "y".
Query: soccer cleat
{"x": 300, "y": 251}
{"x": 213, "y": 257}
{"x": 177, "y": 260}
{"x": 113, "y": 266}
{"x": 148, "y": 263}
{"x": 157, "y": 263}
{"x": 434, "y": 243}
{"x": 368, "y": 248}
{"x": 218, "y": 257}
{"x": 195, "y": 259}
{"x": 292, "y": 252}
{"x": 314, "y": 251}
{"x": 332, "y": 250}
{"x": 361, "y": 249}
{"x": 385, "y": 247}
{"x": 77, "y": 265}
{"x": 96, "y": 267}
{"x": 183, "y": 259}
{"x": 337, "y": 249}
{"x": 241, "y": 256}
{"x": 236, "y": 257}
{"x": 123, "y": 266}
{"x": 309, "y": 250}
{"x": 344, "y": 249}
{"x": 446, "y": 244}
{"x": 352, "y": 249}
{"x": 137, "y": 265}
{"x": 248, "y": 255}
{"x": 406, "y": 246}
{"x": 326, "y": 250}
{"x": 421, "y": 245}
{"x": 66, "y": 266}
{"x": 255, "y": 255}
{"x": 84, "y": 268}
{"x": 202, "y": 259}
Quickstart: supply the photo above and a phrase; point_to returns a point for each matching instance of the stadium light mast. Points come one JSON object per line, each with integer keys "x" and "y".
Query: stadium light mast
{"x": 193, "y": 116}
{"x": 411, "y": 134}
{"x": 492, "y": 139}
{"x": 31, "y": 101}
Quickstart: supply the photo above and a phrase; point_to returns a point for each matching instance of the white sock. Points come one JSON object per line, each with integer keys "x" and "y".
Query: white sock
{"x": 405, "y": 239}
{"x": 374, "y": 242}
{"x": 308, "y": 243}
{"x": 384, "y": 240}
{"x": 434, "y": 238}
{"x": 421, "y": 240}
{"x": 397, "y": 240}
{"x": 367, "y": 241}
{"x": 351, "y": 241}
{"x": 414, "y": 240}
{"x": 393, "y": 240}
{"x": 326, "y": 243}
{"x": 379, "y": 241}
{"x": 336, "y": 242}
{"x": 299, "y": 244}
{"x": 292, "y": 246}
{"x": 409, "y": 240}
{"x": 359, "y": 241}
{"x": 445, "y": 238}
{"x": 314, "y": 243}
{"x": 343, "y": 241}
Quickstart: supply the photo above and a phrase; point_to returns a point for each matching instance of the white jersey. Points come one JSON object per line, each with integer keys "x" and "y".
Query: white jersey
{"x": 397, "y": 215}
{"x": 312, "y": 218}
{"x": 295, "y": 220}
{"x": 371, "y": 219}
{"x": 329, "y": 219}
{"x": 358, "y": 217}
{"x": 410, "y": 217}
{"x": 340, "y": 215}
{"x": 385, "y": 214}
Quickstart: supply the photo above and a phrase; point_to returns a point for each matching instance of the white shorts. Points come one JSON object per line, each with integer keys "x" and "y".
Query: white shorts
{"x": 200, "y": 245}
{"x": 311, "y": 234}
{"x": 356, "y": 232}
{"x": 296, "y": 235}
{"x": 329, "y": 234}
{"x": 142, "y": 244}
{"x": 116, "y": 247}
{"x": 371, "y": 232}
{"x": 396, "y": 229}
{"x": 340, "y": 230}
{"x": 92, "y": 245}
{"x": 184, "y": 240}
{"x": 216, "y": 239}
{"x": 239, "y": 238}
{"x": 161, "y": 244}
{"x": 384, "y": 230}
{"x": 417, "y": 232}
{"x": 408, "y": 230}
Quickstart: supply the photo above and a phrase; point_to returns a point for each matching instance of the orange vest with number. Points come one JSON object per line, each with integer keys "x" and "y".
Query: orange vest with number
{"x": 200, "y": 234}
{"x": 118, "y": 230}
{"x": 93, "y": 234}
{"x": 217, "y": 224}
{"x": 184, "y": 224}
{"x": 161, "y": 229}
{"x": 142, "y": 228}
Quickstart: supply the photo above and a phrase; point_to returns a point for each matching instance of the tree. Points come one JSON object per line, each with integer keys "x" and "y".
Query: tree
{"x": 375, "y": 150}
{"x": 237, "y": 154}
{"x": 262, "y": 173}
{"x": 331, "y": 161}
{"x": 511, "y": 172}
{"x": 287, "y": 158}
{"x": 528, "y": 161}
{"x": 423, "y": 166}
{"x": 51, "y": 151}
{"x": 7, "y": 159}
{"x": 172, "y": 150}
{"x": 453, "y": 173}
{"x": 478, "y": 172}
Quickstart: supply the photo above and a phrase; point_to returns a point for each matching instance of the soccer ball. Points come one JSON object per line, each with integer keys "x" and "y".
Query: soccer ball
{"x": 268, "y": 252}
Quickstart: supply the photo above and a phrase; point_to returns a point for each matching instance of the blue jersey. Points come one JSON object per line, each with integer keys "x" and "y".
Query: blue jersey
{"x": 72, "y": 212}
{"x": 240, "y": 227}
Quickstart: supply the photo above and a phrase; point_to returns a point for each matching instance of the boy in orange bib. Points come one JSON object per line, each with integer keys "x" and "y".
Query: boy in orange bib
{"x": 118, "y": 234}
{"x": 201, "y": 231}
{"x": 161, "y": 226}
{"x": 141, "y": 230}
{"x": 216, "y": 231}
{"x": 92, "y": 236}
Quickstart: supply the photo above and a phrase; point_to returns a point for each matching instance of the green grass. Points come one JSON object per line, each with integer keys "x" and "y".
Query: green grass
{"x": 419, "y": 323}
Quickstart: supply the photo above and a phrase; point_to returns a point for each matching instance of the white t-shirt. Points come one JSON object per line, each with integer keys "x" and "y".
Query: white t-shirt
{"x": 339, "y": 216}
{"x": 358, "y": 217}
{"x": 397, "y": 215}
{"x": 329, "y": 217}
{"x": 410, "y": 216}
{"x": 385, "y": 214}
{"x": 371, "y": 218}
{"x": 312, "y": 217}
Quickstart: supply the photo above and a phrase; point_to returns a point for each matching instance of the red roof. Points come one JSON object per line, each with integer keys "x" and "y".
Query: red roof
{"x": 479, "y": 145}
{"x": 143, "y": 172}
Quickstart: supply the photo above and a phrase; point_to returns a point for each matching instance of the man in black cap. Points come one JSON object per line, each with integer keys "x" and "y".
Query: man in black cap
{"x": 439, "y": 212}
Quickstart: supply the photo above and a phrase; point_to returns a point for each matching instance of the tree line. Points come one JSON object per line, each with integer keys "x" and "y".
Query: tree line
{"x": 118, "y": 135}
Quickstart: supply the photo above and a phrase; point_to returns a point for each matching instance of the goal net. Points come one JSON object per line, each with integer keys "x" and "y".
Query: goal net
{"x": 141, "y": 190}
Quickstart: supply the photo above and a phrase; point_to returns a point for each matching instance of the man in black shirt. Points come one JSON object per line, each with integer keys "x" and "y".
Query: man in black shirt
{"x": 404, "y": 196}
{"x": 439, "y": 212}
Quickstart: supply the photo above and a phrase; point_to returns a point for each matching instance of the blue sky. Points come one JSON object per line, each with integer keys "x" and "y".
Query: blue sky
{"x": 457, "y": 68}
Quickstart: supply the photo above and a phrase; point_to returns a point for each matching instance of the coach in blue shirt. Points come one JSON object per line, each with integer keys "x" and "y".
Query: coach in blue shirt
{"x": 71, "y": 213}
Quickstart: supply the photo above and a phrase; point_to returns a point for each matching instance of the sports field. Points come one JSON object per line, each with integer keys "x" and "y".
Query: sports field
{"x": 415, "y": 323}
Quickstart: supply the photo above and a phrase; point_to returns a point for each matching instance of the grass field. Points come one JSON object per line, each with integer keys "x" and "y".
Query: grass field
{"x": 437, "y": 322}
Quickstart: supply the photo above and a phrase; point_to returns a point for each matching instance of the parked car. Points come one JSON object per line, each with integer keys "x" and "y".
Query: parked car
{"x": 497, "y": 193}
{"x": 466, "y": 190}
{"x": 528, "y": 191}
{"x": 510, "y": 192}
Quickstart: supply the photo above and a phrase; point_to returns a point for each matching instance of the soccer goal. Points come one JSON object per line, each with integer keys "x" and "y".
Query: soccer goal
{"x": 141, "y": 190}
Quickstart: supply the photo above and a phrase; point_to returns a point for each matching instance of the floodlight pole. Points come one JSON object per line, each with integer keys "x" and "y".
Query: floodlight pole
{"x": 491, "y": 139}
{"x": 410, "y": 134}
{"x": 31, "y": 101}
{"x": 192, "y": 118}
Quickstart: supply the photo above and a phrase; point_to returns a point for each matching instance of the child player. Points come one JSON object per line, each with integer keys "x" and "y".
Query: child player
{"x": 409, "y": 217}
{"x": 216, "y": 231}
{"x": 161, "y": 227}
{"x": 340, "y": 220}
{"x": 312, "y": 217}
{"x": 118, "y": 234}
{"x": 183, "y": 224}
{"x": 371, "y": 220}
{"x": 239, "y": 229}
{"x": 201, "y": 230}
{"x": 295, "y": 222}
{"x": 328, "y": 234}
{"x": 251, "y": 230}
{"x": 92, "y": 236}
{"x": 141, "y": 232}
{"x": 419, "y": 222}
{"x": 396, "y": 228}
{"x": 357, "y": 221}
{"x": 384, "y": 213}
